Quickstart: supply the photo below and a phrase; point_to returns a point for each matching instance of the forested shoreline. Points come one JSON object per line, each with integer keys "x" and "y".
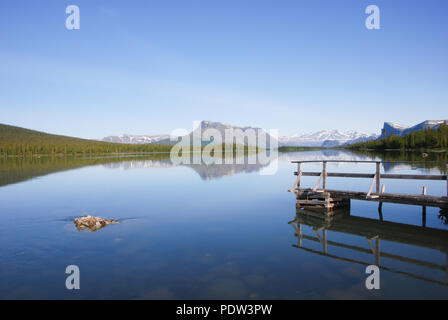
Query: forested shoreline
{"x": 426, "y": 139}
{"x": 16, "y": 141}
{"x": 19, "y": 142}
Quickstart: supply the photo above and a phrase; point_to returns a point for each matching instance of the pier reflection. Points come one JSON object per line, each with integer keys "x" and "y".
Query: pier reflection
{"x": 323, "y": 228}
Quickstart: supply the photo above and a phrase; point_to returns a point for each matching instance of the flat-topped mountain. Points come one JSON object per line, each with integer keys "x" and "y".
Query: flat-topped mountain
{"x": 165, "y": 138}
{"x": 239, "y": 132}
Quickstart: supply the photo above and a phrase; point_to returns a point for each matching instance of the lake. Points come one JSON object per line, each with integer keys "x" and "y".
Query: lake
{"x": 209, "y": 232}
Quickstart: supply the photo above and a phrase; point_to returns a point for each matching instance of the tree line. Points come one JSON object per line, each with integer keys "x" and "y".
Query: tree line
{"x": 416, "y": 140}
{"x": 16, "y": 141}
{"x": 7, "y": 149}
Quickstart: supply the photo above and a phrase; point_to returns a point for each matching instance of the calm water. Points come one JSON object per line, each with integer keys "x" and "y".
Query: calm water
{"x": 198, "y": 232}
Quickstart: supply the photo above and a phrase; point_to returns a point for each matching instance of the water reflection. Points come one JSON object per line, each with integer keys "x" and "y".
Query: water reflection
{"x": 323, "y": 155}
{"x": 374, "y": 232}
{"x": 206, "y": 172}
{"x": 396, "y": 160}
{"x": 13, "y": 170}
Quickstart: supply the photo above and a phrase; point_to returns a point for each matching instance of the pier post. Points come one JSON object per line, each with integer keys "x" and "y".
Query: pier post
{"x": 378, "y": 177}
{"x": 299, "y": 177}
{"x": 324, "y": 175}
{"x": 424, "y": 209}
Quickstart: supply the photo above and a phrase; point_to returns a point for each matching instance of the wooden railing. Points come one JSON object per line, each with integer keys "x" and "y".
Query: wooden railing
{"x": 377, "y": 176}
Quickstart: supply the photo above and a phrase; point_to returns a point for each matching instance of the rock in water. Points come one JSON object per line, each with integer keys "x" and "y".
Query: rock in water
{"x": 92, "y": 223}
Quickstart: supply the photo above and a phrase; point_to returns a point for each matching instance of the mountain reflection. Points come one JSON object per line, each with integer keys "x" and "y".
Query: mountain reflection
{"x": 14, "y": 170}
{"x": 206, "y": 172}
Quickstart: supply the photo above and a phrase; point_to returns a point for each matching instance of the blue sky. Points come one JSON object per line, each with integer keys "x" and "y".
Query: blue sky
{"x": 147, "y": 67}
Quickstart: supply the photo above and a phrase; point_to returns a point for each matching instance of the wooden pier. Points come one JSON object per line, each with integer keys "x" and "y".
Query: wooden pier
{"x": 327, "y": 200}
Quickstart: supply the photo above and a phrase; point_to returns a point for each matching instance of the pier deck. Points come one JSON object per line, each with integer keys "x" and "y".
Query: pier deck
{"x": 319, "y": 197}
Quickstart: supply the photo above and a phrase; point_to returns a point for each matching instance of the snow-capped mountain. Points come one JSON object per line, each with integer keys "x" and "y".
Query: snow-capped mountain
{"x": 134, "y": 139}
{"x": 326, "y": 138}
{"x": 399, "y": 130}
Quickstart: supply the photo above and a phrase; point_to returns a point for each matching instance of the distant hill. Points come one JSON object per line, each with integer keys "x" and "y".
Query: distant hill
{"x": 326, "y": 138}
{"x": 19, "y": 141}
{"x": 427, "y": 135}
{"x": 137, "y": 139}
{"x": 398, "y": 130}
{"x": 13, "y": 134}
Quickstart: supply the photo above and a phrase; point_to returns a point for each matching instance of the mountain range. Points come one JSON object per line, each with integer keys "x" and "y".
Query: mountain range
{"x": 135, "y": 139}
{"x": 398, "y": 130}
{"x": 325, "y": 138}
{"x": 165, "y": 138}
{"x": 16, "y": 140}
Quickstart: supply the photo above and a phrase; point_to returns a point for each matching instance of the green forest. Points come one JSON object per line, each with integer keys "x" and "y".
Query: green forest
{"x": 16, "y": 141}
{"x": 426, "y": 139}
